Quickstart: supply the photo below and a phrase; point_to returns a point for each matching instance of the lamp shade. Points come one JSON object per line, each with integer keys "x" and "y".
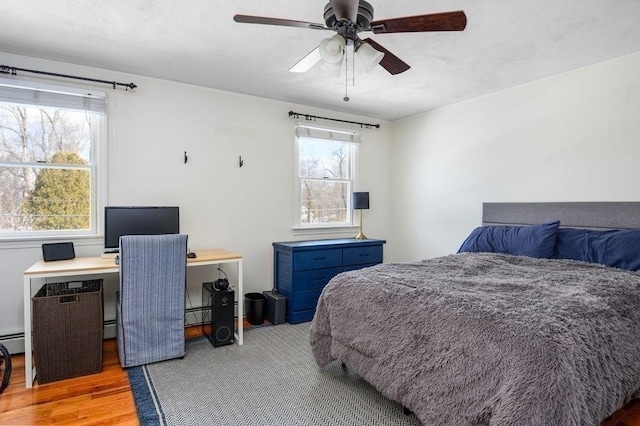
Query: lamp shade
{"x": 368, "y": 56}
{"x": 360, "y": 200}
{"x": 332, "y": 49}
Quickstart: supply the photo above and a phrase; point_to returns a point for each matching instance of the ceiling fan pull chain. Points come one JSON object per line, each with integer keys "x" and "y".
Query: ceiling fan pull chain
{"x": 353, "y": 64}
{"x": 351, "y": 51}
{"x": 346, "y": 77}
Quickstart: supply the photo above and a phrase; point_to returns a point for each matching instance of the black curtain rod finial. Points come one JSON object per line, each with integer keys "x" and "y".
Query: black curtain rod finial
{"x": 4, "y": 69}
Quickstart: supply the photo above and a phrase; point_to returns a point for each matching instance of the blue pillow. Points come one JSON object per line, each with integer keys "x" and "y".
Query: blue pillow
{"x": 531, "y": 240}
{"x": 571, "y": 243}
{"x": 617, "y": 248}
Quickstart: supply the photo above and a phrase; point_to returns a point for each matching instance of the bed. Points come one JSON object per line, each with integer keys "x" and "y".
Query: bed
{"x": 519, "y": 333}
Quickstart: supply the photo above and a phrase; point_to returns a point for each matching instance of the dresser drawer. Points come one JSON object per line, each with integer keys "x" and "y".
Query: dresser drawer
{"x": 362, "y": 255}
{"x": 305, "y": 300}
{"x": 309, "y": 280}
{"x": 317, "y": 259}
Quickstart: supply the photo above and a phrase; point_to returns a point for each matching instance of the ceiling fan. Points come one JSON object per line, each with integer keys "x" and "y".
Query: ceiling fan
{"x": 348, "y": 18}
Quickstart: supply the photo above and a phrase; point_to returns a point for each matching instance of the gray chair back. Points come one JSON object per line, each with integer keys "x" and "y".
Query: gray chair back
{"x": 151, "y": 298}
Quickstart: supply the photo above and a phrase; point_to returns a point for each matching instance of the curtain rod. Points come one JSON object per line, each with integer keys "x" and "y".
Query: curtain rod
{"x": 313, "y": 117}
{"x": 5, "y": 69}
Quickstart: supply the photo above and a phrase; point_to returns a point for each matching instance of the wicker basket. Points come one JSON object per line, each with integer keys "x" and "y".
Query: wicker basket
{"x": 67, "y": 330}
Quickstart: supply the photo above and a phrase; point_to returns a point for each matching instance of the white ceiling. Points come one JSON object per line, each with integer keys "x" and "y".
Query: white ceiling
{"x": 506, "y": 43}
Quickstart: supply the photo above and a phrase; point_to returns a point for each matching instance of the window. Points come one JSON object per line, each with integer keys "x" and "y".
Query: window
{"x": 49, "y": 142}
{"x": 326, "y": 162}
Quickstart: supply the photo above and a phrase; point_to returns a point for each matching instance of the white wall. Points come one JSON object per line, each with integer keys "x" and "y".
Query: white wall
{"x": 570, "y": 137}
{"x": 221, "y": 205}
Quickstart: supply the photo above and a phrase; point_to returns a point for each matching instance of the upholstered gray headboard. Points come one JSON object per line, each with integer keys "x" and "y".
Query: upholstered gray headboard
{"x": 593, "y": 215}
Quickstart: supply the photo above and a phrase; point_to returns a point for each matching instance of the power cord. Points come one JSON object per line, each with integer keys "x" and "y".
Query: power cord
{"x": 220, "y": 270}
{"x": 186, "y": 321}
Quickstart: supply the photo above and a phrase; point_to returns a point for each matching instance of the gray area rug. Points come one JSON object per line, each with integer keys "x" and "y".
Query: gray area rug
{"x": 270, "y": 380}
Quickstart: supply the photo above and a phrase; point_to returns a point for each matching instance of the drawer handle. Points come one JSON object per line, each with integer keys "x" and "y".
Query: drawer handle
{"x": 320, "y": 258}
{"x": 364, "y": 254}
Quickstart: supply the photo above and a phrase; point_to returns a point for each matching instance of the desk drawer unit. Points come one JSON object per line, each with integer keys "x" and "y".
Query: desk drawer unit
{"x": 303, "y": 268}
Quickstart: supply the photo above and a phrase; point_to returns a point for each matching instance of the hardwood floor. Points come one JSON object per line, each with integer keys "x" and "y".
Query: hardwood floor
{"x": 629, "y": 415}
{"x": 97, "y": 399}
{"x": 106, "y": 399}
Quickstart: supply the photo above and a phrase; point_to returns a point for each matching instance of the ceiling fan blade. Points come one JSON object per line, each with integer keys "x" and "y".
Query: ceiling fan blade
{"x": 247, "y": 19}
{"x": 389, "y": 62}
{"x": 446, "y": 21}
{"x": 305, "y": 64}
{"x": 345, "y": 9}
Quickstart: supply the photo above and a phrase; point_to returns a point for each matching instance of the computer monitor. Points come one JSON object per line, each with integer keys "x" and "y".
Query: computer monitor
{"x": 119, "y": 221}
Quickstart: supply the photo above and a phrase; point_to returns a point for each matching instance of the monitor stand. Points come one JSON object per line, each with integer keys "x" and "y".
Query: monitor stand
{"x": 110, "y": 253}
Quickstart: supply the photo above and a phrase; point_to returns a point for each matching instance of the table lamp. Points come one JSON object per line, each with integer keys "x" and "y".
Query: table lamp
{"x": 361, "y": 202}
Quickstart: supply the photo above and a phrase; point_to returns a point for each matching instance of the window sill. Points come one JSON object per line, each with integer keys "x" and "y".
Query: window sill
{"x": 344, "y": 229}
{"x": 7, "y": 243}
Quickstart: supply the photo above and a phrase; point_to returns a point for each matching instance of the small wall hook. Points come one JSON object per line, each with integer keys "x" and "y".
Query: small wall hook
{"x": 185, "y": 157}
{"x": 240, "y": 162}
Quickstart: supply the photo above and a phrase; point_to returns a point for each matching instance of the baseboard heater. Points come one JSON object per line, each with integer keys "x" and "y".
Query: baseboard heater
{"x": 15, "y": 342}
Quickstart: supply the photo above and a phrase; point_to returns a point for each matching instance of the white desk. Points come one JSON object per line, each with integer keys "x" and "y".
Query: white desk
{"x": 100, "y": 266}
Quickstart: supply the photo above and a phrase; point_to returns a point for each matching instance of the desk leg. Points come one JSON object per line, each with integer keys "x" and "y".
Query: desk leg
{"x": 28, "y": 352}
{"x": 240, "y": 303}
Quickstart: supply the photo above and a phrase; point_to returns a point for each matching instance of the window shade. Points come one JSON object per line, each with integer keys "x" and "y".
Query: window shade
{"x": 316, "y": 132}
{"x": 92, "y": 102}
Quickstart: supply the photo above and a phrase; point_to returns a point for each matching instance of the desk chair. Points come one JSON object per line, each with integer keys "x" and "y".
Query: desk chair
{"x": 151, "y": 300}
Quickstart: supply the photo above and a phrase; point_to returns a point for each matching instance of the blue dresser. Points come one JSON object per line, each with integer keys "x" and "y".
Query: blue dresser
{"x": 302, "y": 268}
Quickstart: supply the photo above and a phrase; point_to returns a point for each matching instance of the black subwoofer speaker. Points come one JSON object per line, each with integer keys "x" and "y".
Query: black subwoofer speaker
{"x": 218, "y": 316}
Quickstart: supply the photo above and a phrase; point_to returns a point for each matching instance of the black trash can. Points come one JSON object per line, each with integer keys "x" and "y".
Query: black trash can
{"x": 254, "y": 308}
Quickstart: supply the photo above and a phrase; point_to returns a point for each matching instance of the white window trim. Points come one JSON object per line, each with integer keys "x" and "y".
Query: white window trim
{"x": 100, "y": 176}
{"x": 98, "y": 165}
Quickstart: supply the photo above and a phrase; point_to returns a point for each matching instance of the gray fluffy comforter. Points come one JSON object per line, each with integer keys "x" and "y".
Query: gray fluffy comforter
{"x": 478, "y": 338}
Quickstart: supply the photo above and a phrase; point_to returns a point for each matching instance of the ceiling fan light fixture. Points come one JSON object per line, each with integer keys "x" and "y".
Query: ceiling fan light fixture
{"x": 368, "y": 56}
{"x": 332, "y": 49}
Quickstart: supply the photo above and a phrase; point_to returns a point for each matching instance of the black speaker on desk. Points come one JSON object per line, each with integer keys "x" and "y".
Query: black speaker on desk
{"x": 58, "y": 251}
{"x": 218, "y": 315}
